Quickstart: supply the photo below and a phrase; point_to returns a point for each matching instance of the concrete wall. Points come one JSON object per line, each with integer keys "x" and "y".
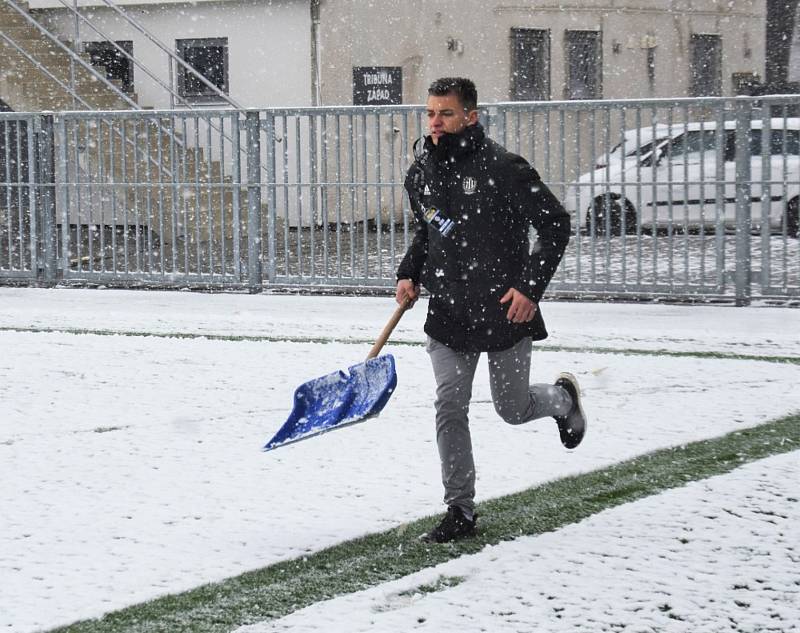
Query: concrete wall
{"x": 414, "y": 35}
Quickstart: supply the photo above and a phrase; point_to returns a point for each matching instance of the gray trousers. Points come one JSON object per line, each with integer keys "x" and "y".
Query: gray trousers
{"x": 515, "y": 400}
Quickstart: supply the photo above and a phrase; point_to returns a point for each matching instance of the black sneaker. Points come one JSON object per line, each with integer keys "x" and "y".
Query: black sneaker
{"x": 453, "y": 526}
{"x": 571, "y": 427}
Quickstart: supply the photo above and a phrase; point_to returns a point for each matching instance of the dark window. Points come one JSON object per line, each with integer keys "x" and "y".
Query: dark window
{"x": 729, "y": 153}
{"x": 693, "y": 145}
{"x": 747, "y": 84}
{"x": 584, "y": 65}
{"x": 209, "y": 57}
{"x": 706, "y": 68}
{"x": 117, "y": 66}
{"x": 530, "y": 64}
{"x": 781, "y": 141}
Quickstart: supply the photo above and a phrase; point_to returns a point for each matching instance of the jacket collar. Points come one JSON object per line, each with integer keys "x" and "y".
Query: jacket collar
{"x": 453, "y": 146}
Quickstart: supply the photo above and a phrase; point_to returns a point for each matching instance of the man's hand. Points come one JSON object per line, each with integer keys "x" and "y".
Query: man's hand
{"x": 522, "y": 309}
{"x": 406, "y": 291}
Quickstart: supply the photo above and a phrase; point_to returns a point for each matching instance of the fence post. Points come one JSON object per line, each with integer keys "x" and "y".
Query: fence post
{"x": 742, "y": 107}
{"x": 46, "y": 181}
{"x": 486, "y": 119}
{"x": 269, "y": 123}
{"x": 254, "y": 273}
{"x": 61, "y": 189}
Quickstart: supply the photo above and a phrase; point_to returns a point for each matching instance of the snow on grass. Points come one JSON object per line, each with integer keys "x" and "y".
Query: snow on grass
{"x": 380, "y": 557}
{"x": 716, "y": 555}
{"x": 132, "y": 465}
{"x": 697, "y": 328}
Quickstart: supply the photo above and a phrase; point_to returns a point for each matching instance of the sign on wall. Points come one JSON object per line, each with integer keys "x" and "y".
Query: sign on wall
{"x": 377, "y": 85}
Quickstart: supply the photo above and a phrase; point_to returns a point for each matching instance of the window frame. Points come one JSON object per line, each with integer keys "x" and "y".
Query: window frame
{"x": 571, "y": 38}
{"x": 540, "y": 84}
{"x": 203, "y": 93}
{"x": 698, "y": 80}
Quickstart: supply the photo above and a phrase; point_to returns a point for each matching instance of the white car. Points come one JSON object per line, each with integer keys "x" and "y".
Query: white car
{"x": 683, "y": 176}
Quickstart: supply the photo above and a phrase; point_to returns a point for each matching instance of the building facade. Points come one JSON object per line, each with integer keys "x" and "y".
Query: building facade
{"x": 609, "y": 49}
{"x": 310, "y": 52}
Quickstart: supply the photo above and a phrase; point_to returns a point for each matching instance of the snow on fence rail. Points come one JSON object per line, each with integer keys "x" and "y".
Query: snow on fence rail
{"x": 682, "y": 198}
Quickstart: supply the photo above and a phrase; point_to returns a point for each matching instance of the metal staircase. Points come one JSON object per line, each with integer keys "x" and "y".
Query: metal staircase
{"x": 140, "y": 174}
{"x": 40, "y": 72}
{"x": 57, "y": 77}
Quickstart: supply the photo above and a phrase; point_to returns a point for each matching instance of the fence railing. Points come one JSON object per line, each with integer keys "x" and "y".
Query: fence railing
{"x": 687, "y": 198}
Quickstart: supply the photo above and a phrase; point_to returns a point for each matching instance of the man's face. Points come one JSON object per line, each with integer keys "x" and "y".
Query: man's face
{"x": 447, "y": 115}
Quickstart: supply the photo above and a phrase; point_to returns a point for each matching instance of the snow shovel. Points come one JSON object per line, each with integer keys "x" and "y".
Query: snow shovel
{"x": 341, "y": 399}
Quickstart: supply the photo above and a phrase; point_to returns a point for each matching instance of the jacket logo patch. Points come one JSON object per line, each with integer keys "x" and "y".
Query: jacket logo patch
{"x": 427, "y": 191}
{"x": 470, "y": 185}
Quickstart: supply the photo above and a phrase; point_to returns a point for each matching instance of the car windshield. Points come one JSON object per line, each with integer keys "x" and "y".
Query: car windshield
{"x": 631, "y": 151}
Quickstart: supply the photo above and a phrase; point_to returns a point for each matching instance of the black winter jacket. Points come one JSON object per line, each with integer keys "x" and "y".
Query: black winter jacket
{"x": 508, "y": 231}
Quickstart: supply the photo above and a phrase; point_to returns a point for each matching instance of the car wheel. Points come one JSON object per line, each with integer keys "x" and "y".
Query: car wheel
{"x": 620, "y": 213}
{"x": 793, "y": 218}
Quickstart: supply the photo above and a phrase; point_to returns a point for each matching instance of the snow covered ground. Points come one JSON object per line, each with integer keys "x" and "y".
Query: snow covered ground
{"x": 716, "y": 555}
{"x": 131, "y": 465}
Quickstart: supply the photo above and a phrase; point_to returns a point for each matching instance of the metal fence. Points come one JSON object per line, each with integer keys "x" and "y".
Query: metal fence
{"x": 19, "y": 229}
{"x": 687, "y": 198}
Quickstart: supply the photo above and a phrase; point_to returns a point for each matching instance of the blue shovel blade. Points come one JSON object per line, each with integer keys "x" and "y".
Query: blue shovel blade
{"x": 337, "y": 400}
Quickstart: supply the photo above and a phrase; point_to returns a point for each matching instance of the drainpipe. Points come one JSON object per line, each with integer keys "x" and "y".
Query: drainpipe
{"x": 316, "y": 98}
{"x": 76, "y": 46}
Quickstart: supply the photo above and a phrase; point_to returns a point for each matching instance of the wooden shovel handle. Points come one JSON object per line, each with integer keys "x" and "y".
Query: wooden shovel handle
{"x": 387, "y": 330}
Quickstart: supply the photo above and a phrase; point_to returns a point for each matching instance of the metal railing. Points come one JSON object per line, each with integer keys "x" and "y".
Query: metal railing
{"x": 20, "y": 222}
{"x": 80, "y": 18}
{"x": 686, "y": 199}
{"x": 74, "y": 58}
{"x": 173, "y": 59}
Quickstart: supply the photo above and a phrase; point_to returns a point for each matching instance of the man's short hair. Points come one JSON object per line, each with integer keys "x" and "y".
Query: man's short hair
{"x": 462, "y": 87}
